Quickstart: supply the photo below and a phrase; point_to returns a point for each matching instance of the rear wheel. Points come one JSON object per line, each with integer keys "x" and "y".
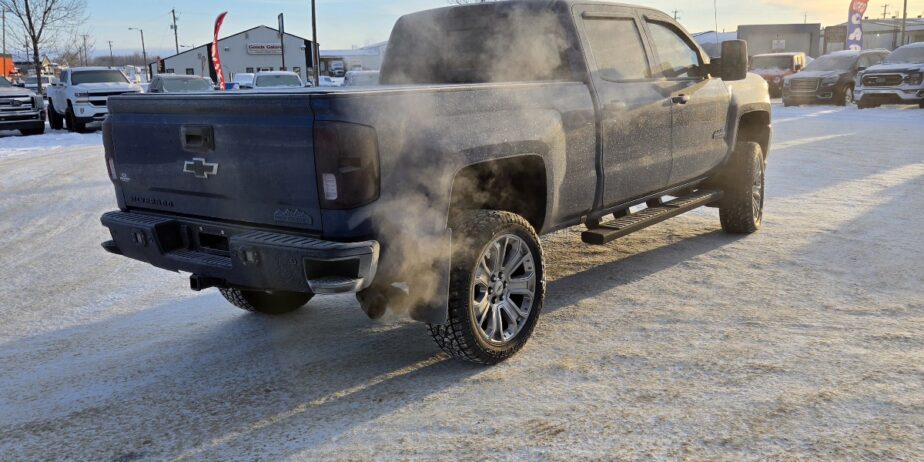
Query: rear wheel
{"x": 497, "y": 287}
{"x": 272, "y": 303}
{"x": 742, "y": 208}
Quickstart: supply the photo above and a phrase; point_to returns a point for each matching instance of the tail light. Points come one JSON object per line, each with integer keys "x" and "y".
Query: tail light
{"x": 108, "y": 150}
{"x": 347, "y": 164}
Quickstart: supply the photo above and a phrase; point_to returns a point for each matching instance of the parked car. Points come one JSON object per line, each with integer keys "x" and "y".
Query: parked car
{"x": 81, "y": 96}
{"x": 242, "y": 81}
{"x": 21, "y": 109}
{"x": 277, "y": 80}
{"x": 427, "y": 196}
{"x": 830, "y": 79}
{"x": 327, "y": 81}
{"x": 32, "y": 83}
{"x": 774, "y": 67}
{"x": 898, "y": 80}
{"x": 337, "y": 69}
{"x": 170, "y": 83}
{"x": 361, "y": 78}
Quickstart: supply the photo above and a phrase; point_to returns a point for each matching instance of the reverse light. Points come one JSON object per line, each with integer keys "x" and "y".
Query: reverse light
{"x": 347, "y": 164}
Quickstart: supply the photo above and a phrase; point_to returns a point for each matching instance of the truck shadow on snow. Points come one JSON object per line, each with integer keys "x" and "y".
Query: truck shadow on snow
{"x": 198, "y": 376}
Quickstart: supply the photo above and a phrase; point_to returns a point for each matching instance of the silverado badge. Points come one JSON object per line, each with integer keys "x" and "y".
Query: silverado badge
{"x": 200, "y": 168}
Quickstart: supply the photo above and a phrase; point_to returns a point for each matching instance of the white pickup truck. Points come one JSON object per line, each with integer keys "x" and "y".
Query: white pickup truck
{"x": 81, "y": 95}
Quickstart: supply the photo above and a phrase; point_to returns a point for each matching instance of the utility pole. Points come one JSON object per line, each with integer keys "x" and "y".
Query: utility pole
{"x": 885, "y": 10}
{"x": 83, "y": 56}
{"x": 144, "y": 54}
{"x": 904, "y": 23}
{"x": 315, "y": 59}
{"x": 111, "y": 58}
{"x": 676, "y": 15}
{"x": 176, "y": 37}
{"x": 282, "y": 39}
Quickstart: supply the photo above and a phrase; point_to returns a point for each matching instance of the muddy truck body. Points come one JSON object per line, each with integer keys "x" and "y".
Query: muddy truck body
{"x": 493, "y": 124}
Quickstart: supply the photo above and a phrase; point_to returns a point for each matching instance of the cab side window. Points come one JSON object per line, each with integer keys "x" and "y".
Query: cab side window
{"x": 677, "y": 58}
{"x": 65, "y": 77}
{"x": 617, "y": 48}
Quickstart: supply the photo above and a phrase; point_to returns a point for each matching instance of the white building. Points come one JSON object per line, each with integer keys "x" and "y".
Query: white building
{"x": 253, "y": 50}
{"x": 367, "y": 58}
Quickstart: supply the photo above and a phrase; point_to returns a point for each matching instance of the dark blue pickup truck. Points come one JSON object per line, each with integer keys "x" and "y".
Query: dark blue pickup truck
{"x": 493, "y": 124}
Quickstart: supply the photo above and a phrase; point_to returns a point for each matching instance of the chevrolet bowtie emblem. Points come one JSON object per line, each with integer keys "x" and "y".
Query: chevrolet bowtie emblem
{"x": 200, "y": 168}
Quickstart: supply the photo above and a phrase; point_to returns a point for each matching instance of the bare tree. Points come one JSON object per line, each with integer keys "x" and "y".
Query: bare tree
{"x": 43, "y": 22}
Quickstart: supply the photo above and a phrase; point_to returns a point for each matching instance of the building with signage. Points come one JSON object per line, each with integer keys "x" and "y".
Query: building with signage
{"x": 782, "y": 38}
{"x": 253, "y": 50}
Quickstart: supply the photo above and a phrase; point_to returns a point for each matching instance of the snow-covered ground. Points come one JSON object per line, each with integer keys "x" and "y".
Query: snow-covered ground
{"x": 802, "y": 342}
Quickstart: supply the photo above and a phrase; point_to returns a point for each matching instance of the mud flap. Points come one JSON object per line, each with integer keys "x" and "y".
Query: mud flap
{"x": 413, "y": 279}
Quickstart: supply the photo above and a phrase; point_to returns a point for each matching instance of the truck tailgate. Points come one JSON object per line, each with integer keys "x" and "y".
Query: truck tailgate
{"x": 243, "y": 158}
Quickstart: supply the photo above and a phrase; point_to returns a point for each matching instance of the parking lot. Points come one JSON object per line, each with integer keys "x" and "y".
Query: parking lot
{"x": 804, "y": 341}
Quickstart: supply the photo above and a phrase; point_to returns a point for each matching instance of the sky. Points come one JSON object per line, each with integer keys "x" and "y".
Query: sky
{"x": 351, "y": 23}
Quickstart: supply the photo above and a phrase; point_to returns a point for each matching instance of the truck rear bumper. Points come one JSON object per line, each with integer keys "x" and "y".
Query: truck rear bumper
{"x": 235, "y": 256}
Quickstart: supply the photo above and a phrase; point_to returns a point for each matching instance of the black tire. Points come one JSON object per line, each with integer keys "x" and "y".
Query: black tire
{"x": 742, "y": 208}
{"x": 841, "y": 95}
{"x": 33, "y": 131}
{"x": 786, "y": 103}
{"x": 272, "y": 303}
{"x": 921, "y": 105}
{"x": 74, "y": 125}
{"x": 462, "y": 336}
{"x": 55, "y": 120}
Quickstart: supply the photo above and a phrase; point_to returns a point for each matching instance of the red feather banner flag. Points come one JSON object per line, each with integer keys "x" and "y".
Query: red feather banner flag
{"x": 855, "y": 24}
{"x": 216, "y": 58}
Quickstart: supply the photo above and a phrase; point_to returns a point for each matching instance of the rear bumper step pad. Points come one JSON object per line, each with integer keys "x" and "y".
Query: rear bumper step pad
{"x": 243, "y": 257}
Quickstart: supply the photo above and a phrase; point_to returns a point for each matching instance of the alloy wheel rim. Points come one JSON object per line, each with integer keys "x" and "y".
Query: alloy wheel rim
{"x": 757, "y": 194}
{"x": 503, "y": 288}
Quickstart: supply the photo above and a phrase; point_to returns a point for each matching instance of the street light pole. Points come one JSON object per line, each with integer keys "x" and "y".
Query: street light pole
{"x": 144, "y": 54}
{"x": 111, "y": 58}
{"x": 904, "y": 23}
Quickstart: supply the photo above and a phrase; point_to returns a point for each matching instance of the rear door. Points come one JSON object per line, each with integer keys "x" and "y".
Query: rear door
{"x": 634, "y": 112}
{"x": 244, "y": 158}
{"x": 699, "y": 103}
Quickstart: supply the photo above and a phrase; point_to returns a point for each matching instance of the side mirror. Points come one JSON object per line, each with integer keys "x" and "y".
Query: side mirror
{"x": 734, "y": 60}
{"x": 798, "y": 67}
{"x": 861, "y": 68}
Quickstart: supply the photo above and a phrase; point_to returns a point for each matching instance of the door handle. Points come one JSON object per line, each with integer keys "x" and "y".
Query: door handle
{"x": 680, "y": 99}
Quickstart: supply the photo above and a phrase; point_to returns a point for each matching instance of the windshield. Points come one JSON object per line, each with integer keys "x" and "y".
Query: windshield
{"x": 278, "y": 81}
{"x": 4, "y": 83}
{"x": 771, "y": 62}
{"x": 187, "y": 85}
{"x": 906, "y": 55}
{"x": 102, "y": 76}
{"x": 833, "y": 63}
